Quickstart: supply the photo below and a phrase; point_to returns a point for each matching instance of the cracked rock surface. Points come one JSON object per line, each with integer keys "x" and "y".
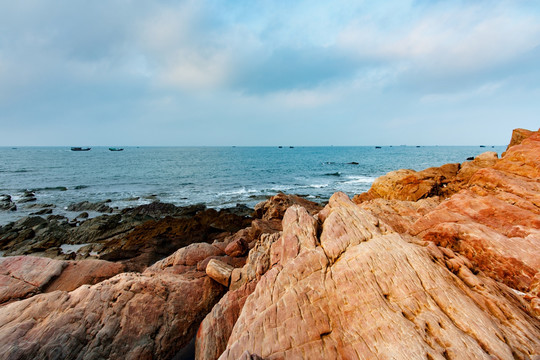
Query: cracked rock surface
{"x": 347, "y": 286}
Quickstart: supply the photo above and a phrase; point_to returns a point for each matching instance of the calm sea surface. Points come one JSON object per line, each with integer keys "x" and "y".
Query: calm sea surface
{"x": 216, "y": 176}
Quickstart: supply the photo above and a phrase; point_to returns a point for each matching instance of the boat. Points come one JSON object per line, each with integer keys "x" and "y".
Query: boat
{"x": 80, "y": 149}
{"x": 116, "y": 149}
{"x": 377, "y": 147}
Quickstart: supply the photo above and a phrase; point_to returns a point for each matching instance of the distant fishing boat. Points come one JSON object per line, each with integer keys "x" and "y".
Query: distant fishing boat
{"x": 79, "y": 149}
{"x": 116, "y": 149}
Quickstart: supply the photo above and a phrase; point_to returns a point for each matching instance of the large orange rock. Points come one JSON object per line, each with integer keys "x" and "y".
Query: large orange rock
{"x": 347, "y": 286}
{"x": 518, "y": 135}
{"x": 496, "y": 221}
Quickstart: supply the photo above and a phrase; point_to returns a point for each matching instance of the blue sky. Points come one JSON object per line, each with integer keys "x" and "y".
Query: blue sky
{"x": 126, "y": 72}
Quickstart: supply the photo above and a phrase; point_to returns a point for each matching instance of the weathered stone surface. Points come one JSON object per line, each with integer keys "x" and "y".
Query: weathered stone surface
{"x": 238, "y": 247}
{"x": 275, "y": 207}
{"x": 496, "y": 222}
{"x": 219, "y": 271}
{"x": 129, "y": 316}
{"x": 25, "y": 276}
{"x": 518, "y": 135}
{"x": 77, "y": 273}
{"x": 360, "y": 290}
{"x": 411, "y": 185}
{"x": 400, "y": 214}
{"x": 217, "y": 326}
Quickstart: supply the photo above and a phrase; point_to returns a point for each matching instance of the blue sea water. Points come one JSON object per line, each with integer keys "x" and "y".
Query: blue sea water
{"x": 217, "y": 176}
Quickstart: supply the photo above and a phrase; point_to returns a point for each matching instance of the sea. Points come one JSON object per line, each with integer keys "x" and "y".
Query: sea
{"x": 218, "y": 177}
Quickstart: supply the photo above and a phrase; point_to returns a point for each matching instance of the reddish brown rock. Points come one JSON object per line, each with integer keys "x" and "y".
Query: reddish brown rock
{"x": 130, "y": 316}
{"x": 496, "y": 223}
{"x": 78, "y": 273}
{"x": 25, "y": 276}
{"x": 359, "y": 290}
{"x": 275, "y": 207}
{"x": 238, "y": 247}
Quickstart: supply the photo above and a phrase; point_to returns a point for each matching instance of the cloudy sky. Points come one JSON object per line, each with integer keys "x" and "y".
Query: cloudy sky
{"x": 209, "y": 72}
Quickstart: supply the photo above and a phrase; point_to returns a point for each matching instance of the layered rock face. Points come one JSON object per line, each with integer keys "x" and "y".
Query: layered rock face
{"x": 360, "y": 290}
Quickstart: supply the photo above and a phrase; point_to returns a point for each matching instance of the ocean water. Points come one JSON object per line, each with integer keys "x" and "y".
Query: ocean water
{"x": 216, "y": 176}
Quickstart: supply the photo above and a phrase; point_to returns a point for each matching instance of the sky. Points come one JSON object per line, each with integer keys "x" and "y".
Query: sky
{"x": 258, "y": 72}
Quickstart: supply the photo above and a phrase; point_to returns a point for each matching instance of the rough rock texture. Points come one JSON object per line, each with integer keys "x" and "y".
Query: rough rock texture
{"x": 360, "y": 290}
{"x": 410, "y": 185}
{"x": 275, "y": 207}
{"x": 154, "y": 240}
{"x": 496, "y": 221}
{"x": 518, "y": 135}
{"x": 25, "y": 276}
{"x": 217, "y": 326}
{"x": 219, "y": 271}
{"x": 130, "y": 316}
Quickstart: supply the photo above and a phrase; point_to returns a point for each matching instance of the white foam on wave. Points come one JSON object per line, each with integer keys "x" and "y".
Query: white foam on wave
{"x": 241, "y": 191}
{"x": 359, "y": 180}
{"x": 318, "y": 186}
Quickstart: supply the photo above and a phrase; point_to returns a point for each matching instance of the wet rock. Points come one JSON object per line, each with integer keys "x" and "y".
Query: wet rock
{"x": 6, "y": 203}
{"x": 101, "y": 206}
{"x": 27, "y": 196}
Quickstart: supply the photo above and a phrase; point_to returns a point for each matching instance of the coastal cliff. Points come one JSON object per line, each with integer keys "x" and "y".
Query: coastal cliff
{"x": 437, "y": 264}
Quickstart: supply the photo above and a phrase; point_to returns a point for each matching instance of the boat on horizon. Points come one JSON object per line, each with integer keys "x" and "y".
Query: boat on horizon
{"x": 116, "y": 149}
{"x": 80, "y": 149}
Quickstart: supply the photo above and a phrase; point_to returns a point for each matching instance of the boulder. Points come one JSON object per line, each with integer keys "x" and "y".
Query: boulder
{"x": 347, "y": 286}
{"x": 275, "y": 207}
{"x": 219, "y": 271}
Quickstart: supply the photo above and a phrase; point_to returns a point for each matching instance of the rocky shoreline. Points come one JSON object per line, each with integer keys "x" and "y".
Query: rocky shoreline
{"x": 436, "y": 264}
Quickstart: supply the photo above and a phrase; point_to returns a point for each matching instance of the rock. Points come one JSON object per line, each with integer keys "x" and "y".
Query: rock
{"x": 217, "y": 326}
{"x": 346, "y": 286}
{"x": 219, "y": 271}
{"x": 25, "y": 276}
{"x": 275, "y": 207}
{"x": 154, "y": 240}
{"x": 495, "y": 222}
{"x": 158, "y": 210}
{"x": 77, "y": 273}
{"x": 150, "y": 315}
{"x": 6, "y": 203}
{"x": 237, "y": 247}
{"x": 83, "y": 215}
{"x": 130, "y": 316}
{"x": 518, "y": 135}
{"x": 27, "y": 196}
{"x": 89, "y": 206}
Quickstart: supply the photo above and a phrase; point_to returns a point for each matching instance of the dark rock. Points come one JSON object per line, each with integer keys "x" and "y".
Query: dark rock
{"x": 42, "y": 212}
{"x": 88, "y": 206}
{"x": 470, "y": 158}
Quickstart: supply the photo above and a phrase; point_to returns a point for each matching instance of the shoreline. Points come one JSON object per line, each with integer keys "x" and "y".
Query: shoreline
{"x": 416, "y": 243}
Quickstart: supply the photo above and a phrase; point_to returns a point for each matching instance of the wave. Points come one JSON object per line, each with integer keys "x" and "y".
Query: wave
{"x": 359, "y": 180}
{"x": 337, "y": 173}
{"x": 79, "y": 187}
{"x": 50, "y": 188}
